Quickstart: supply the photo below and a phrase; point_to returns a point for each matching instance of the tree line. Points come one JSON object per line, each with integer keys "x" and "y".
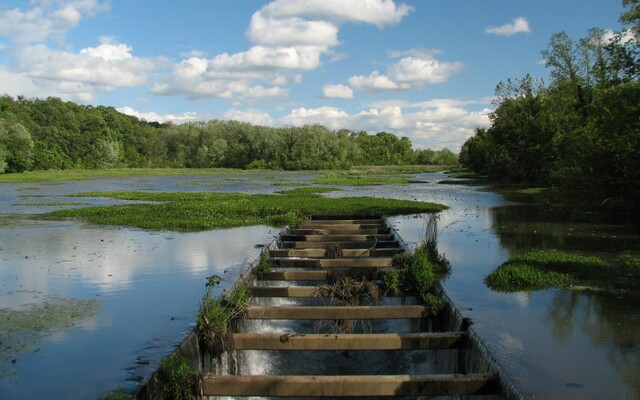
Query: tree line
{"x": 579, "y": 132}
{"x": 41, "y": 134}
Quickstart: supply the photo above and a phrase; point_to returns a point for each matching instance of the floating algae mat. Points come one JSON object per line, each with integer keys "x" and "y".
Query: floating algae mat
{"x": 22, "y": 330}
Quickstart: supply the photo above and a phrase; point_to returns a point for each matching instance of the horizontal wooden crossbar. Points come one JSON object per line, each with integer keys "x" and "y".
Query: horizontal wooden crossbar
{"x": 362, "y": 252}
{"x": 336, "y": 312}
{"x": 369, "y": 341}
{"x": 287, "y": 244}
{"x": 348, "y": 386}
{"x": 353, "y": 262}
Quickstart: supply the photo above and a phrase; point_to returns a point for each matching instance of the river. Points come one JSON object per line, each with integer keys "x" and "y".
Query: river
{"x": 123, "y": 298}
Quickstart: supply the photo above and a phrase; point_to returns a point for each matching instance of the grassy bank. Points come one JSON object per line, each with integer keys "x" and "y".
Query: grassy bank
{"x": 70, "y": 175}
{"x": 202, "y": 211}
{"x": 546, "y": 268}
{"x": 73, "y": 174}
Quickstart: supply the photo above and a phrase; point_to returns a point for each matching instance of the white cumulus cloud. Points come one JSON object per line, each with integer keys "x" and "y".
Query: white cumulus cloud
{"x": 288, "y": 37}
{"x": 432, "y": 124}
{"x": 376, "y": 12}
{"x": 105, "y": 67}
{"x": 254, "y": 117}
{"x": 413, "y": 71}
{"x": 518, "y": 25}
{"x": 337, "y": 92}
{"x": 155, "y": 117}
{"x": 46, "y": 19}
{"x": 291, "y": 31}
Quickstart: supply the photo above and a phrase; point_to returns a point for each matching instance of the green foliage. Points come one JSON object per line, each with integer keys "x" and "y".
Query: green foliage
{"x": 117, "y": 394}
{"x": 581, "y": 132}
{"x": 264, "y": 264}
{"x": 176, "y": 379}
{"x": 65, "y": 135}
{"x": 515, "y": 276}
{"x": 215, "y": 313}
{"x": 358, "y": 180}
{"x": 416, "y": 273}
{"x": 202, "y": 211}
{"x": 545, "y": 268}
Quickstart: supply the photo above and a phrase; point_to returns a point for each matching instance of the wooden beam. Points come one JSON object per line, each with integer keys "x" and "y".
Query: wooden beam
{"x": 294, "y": 275}
{"x": 336, "y": 238}
{"x": 320, "y": 253}
{"x": 369, "y": 341}
{"x": 348, "y": 385}
{"x": 335, "y": 312}
{"x": 351, "y": 262}
{"x": 287, "y": 244}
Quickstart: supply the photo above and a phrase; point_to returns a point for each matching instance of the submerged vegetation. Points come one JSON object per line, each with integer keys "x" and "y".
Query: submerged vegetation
{"x": 202, "y": 211}
{"x": 547, "y": 268}
{"x": 359, "y": 180}
{"x": 22, "y": 330}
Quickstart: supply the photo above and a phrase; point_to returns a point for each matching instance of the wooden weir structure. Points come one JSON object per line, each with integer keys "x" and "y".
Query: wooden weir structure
{"x": 366, "y": 246}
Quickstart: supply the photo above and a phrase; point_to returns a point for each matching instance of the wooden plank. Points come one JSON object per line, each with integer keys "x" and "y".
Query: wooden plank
{"x": 285, "y": 291}
{"x": 348, "y": 385}
{"x": 335, "y": 312}
{"x": 339, "y": 231}
{"x": 301, "y": 244}
{"x": 316, "y": 222}
{"x": 336, "y": 238}
{"x": 318, "y": 275}
{"x": 291, "y": 291}
{"x": 294, "y": 276}
{"x": 370, "y": 341}
{"x": 354, "y": 262}
{"x": 319, "y": 253}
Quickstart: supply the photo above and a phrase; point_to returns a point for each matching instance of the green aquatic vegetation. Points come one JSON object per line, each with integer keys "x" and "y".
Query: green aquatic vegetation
{"x": 176, "y": 379}
{"x": 630, "y": 260}
{"x": 289, "y": 183}
{"x": 517, "y": 276}
{"x": 359, "y": 180}
{"x": 548, "y": 268}
{"x": 22, "y": 330}
{"x": 264, "y": 263}
{"x": 534, "y": 190}
{"x": 417, "y": 272}
{"x": 56, "y": 203}
{"x": 395, "y": 169}
{"x": 117, "y": 394}
{"x": 67, "y": 175}
{"x": 215, "y": 313}
{"x": 206, "y": 210}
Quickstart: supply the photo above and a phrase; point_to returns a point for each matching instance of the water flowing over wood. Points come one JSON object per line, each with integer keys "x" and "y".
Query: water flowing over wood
{"x": 360, "y": 248}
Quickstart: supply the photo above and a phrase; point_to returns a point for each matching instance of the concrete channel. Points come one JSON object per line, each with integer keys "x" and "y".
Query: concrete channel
{"x": 303, "y": 259}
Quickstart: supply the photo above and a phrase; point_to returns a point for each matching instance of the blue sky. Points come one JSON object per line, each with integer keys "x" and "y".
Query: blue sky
{"x": 422, "y": 69}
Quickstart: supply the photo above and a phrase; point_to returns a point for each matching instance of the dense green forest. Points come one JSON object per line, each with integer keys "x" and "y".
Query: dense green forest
{"x": 41, "y": 134}
{"x": 581, "y": 132}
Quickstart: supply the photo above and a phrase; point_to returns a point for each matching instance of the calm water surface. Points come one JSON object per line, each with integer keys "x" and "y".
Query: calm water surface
{"x": 555, "y": 344}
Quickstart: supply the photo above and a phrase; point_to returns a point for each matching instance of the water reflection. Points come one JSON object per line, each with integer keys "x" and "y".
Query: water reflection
{"x": 608, "y": 322}
{"x": 148, "y": 283}
{"x": 554, "y": 344}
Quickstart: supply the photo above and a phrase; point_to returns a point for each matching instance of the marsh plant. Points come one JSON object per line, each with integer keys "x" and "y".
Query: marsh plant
{"x": 215, "y": 313}
{"x": 176, "y": 379}
{"x": 541, "y": 269}
{"x": 344, "y": 290}
{"x": 417, "y": 272}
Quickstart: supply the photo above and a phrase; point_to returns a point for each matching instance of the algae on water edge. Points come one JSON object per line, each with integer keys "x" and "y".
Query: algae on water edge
{"x": 22, "y": 330}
